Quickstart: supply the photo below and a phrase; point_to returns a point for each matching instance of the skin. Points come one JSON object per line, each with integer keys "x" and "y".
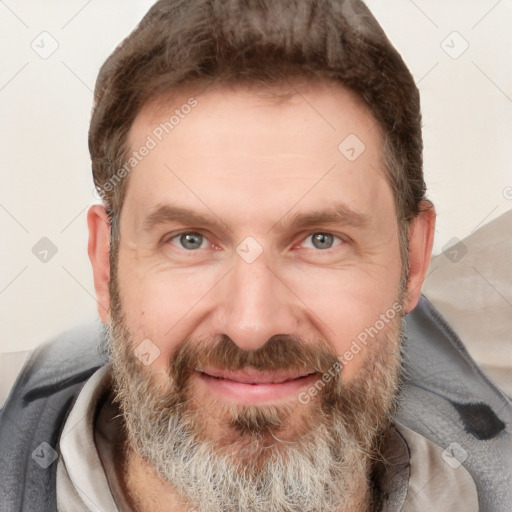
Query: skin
{"x": 248, "y": 162}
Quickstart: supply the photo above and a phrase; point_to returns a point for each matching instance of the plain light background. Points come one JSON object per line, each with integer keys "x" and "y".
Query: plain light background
{"x": 459, "y": 52}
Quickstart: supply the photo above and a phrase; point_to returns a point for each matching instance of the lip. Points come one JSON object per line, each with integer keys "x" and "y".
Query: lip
{"x": 253, "y": 386}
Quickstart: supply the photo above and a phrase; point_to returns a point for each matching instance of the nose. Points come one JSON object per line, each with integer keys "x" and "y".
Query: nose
{"x": 253, "y": 304}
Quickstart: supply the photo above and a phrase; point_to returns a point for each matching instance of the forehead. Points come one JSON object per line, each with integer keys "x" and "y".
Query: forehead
{"x": 257, "y": 151}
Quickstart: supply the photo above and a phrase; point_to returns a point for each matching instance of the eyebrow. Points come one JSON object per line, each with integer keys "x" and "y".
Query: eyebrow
{"x": 169, "y": 213}
{"x": 339, "y": 214}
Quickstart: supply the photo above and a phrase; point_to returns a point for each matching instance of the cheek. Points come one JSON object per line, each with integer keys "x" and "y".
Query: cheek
{"x": 162, "y": 307}
{"x": 354, "y": 309}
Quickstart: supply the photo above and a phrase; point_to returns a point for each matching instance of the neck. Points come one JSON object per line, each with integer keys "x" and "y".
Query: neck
{"x": 146, "y": 491}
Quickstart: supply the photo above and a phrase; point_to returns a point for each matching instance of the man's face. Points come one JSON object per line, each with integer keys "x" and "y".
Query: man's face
{"x": 258, "y": 254}
{"x": 251, "y": 167}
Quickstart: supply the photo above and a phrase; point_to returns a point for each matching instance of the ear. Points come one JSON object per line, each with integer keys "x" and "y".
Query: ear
{"x": 421, "y": 240}
{"x": 98, "y": 249}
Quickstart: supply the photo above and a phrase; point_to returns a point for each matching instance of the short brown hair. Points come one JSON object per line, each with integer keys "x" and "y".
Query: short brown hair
{"x": 259, "y": 42}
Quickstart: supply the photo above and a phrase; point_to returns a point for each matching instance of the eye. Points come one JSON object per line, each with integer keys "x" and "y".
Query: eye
{"x": 189, "y": 241}
{"x": 321, "y": 241}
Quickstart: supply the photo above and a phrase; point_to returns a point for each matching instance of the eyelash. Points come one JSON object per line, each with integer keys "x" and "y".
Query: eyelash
{"x": 177, "y": 235}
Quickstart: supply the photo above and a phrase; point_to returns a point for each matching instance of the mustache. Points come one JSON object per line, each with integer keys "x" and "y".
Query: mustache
{"x": 280, "y": 352}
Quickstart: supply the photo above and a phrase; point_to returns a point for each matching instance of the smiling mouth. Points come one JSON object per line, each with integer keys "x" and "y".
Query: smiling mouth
{"x": 253, "y": 386}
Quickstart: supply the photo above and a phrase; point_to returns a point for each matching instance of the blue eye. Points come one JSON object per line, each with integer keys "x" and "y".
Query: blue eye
{"x": 322, "y": 240}
{"x": 189, "y": 241}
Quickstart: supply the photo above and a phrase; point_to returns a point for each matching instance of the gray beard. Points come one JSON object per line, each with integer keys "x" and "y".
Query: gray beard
{"x": 324, "y": 467}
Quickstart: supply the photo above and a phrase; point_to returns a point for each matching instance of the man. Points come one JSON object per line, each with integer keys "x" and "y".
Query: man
{"x": 263, "y": 233}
